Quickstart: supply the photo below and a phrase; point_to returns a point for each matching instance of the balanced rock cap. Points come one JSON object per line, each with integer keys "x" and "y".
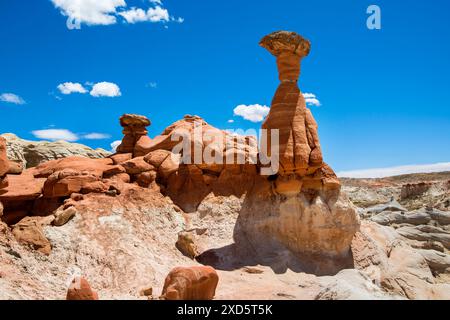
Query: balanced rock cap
{"x": 286, "y": 41}
{"x": 134, "y": 120}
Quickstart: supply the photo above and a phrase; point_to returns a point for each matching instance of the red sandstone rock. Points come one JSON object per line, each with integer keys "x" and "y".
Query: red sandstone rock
{"x": 81, "y": 290}
{"x": 157, "y": 157}
{"x": 120, "y": 158}
{"x": 64, "y": 183}
{"x": 29, "y": 232}
{"x": 4, "y": 162}
{"x": 22, "y": 187}
{"x": 145, "y": 179}
{"x": 81, "y": 164}
{"x": 134, "y": 130}
{"x": 192, "y": 283}
{"x": 113, "y": 170}
{"x": 137, "y": 165}
{"x": 142, "y": 145}
{"x": 300, "y": 154}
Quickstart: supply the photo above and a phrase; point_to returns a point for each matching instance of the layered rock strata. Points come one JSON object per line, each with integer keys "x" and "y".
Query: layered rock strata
{"x": 301, "y": 207}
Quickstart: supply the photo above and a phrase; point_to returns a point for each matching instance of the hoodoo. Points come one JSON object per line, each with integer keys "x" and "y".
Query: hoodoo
{"x": 301, "y": 208}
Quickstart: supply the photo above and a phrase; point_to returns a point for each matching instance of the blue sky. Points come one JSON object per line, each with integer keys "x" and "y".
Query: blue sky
{"x": 384, "y": 94}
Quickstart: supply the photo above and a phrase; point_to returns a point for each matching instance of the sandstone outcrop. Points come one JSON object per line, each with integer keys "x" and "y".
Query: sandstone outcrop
{"x": 306, "y": 212}
{"x": 190, "y": 283}
{"x": 4, "y": 162}
{"x": 300, "y": 155}
{"x": 81, "y": 290}
{"x": 135, "y": 140}
{"x": 206, "y": 160}
{"x": 32, "y": 153}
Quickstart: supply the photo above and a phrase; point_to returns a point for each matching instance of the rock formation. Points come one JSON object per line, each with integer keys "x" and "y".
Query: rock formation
{"x": 119, "y": 217}
{"x": 135, "y": 140}
{"x": 300, "y": 155}
{"x": 192, "y": 283}
{"x": 185, "y": 174}
{"x": 81, "y": 290}
{"x": 30, "y": 154}
{"x": 308, "y": 214}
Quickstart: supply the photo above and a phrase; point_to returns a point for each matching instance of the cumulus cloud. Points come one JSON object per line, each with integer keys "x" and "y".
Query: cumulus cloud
{"x": 105, "y": 89}
{"x": 395, "y": 171}
{"x": 311, "y": 99}
{"x": 71, "y": 87}
{"x": 114, "y": 145}
{"x": 156, "y": 14}
{"x": 96, "y": 136}
{"x": 253, "y": 113}
{"x": 90, "y": 12}
{"x": 152, "y": 85}
{"x": 56, "y": 134}
{"x": 230, "y": 121}
{"x": 106, "y": 12}
{"x": 11, "y": 98}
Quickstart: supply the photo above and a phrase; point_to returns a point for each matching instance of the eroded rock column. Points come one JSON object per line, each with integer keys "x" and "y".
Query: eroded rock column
{"x": 300, "y": 210}
{"x": 135, "y": 140}
{"x": 300, "y": 154}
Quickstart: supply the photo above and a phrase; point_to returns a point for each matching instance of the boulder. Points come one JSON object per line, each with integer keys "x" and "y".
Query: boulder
{"x": 120, "y": 158}
{"x": 63, "y": 216}
{"x": 29, "y": 232}
{"x": 64, "y": 183}
{"x": 190, "y": 283}
{"x": 186, "y": 245}
{"x": 137, "y": 166}
{"x": 94, "y": 167}
{"x": 81, "y": 290}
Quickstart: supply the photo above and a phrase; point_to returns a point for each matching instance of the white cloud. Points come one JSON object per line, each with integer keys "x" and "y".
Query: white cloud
{"x": 105, "y": 89}
{"x": 395, "y": 171}
{"x": 115, "y": 144}
{"x": 90, "y": 12}
{"x": 152, "y": 85}
{"x": 96, "y": 136}
{"x": 106, "y": 12}
{"x": 253, "y": 113}
{"x": 156, "y": 14}
{"x": 311, "y": 99}
{"x": 71, "y": 87}
{"x": 230, "y": 121}
{"x": 55, "y": 134}
{"x": 11, "y": 98}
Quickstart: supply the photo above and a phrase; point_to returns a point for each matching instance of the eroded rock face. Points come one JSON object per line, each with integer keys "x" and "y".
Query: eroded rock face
{"x": 191, "y": 283}
{"x": 135, "y": 138}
